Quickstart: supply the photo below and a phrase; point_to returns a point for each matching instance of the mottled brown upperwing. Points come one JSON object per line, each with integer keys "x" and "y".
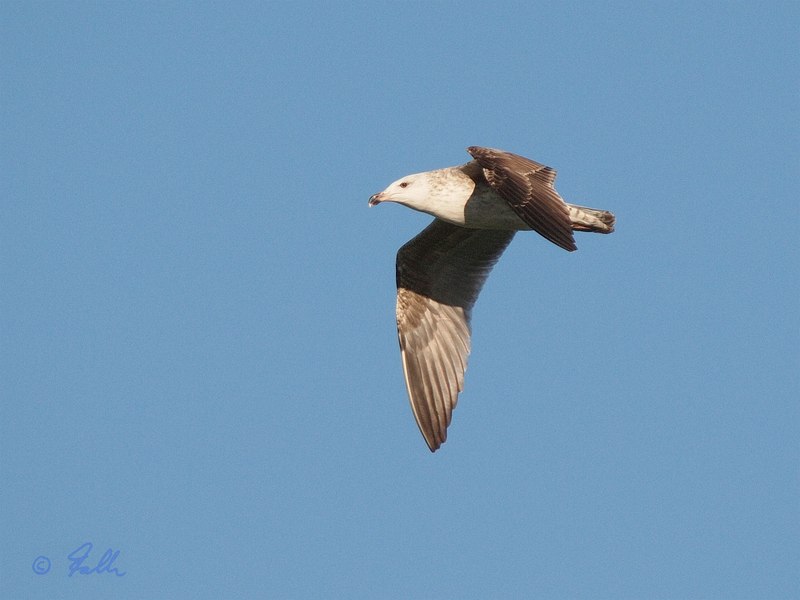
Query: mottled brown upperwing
{"x": 527, "y": 186}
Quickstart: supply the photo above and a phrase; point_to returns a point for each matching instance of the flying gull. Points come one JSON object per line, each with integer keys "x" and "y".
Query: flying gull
{"x": 478, "y": 207}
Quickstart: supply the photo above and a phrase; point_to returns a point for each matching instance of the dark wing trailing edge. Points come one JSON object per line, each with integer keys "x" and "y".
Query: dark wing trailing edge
{"x": 440, "y": 273}
{"x": 527, "y": 186}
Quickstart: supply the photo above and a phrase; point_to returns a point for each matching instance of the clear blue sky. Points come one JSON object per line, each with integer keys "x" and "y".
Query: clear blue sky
{"x": 199, "y": 361}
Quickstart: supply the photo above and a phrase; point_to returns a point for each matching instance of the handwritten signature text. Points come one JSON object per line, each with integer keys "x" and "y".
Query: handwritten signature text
{"x": 80, "y": 555}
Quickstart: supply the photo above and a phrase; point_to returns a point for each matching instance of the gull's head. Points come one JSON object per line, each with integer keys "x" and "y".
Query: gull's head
{"x": 412, "y": 191}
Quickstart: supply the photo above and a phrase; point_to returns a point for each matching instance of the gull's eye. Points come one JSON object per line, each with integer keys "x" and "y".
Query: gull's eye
{"x": 404, "y": 184}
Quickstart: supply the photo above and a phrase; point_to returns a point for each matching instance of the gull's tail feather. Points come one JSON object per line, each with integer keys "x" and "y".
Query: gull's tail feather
{"x": 590, "y": 219}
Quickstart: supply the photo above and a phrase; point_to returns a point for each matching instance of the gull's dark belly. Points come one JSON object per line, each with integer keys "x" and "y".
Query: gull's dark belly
{"x": 485, "y": 209}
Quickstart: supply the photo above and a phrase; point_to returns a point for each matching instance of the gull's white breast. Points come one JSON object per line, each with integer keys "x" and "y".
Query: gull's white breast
{"x": 461, "y": 200}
